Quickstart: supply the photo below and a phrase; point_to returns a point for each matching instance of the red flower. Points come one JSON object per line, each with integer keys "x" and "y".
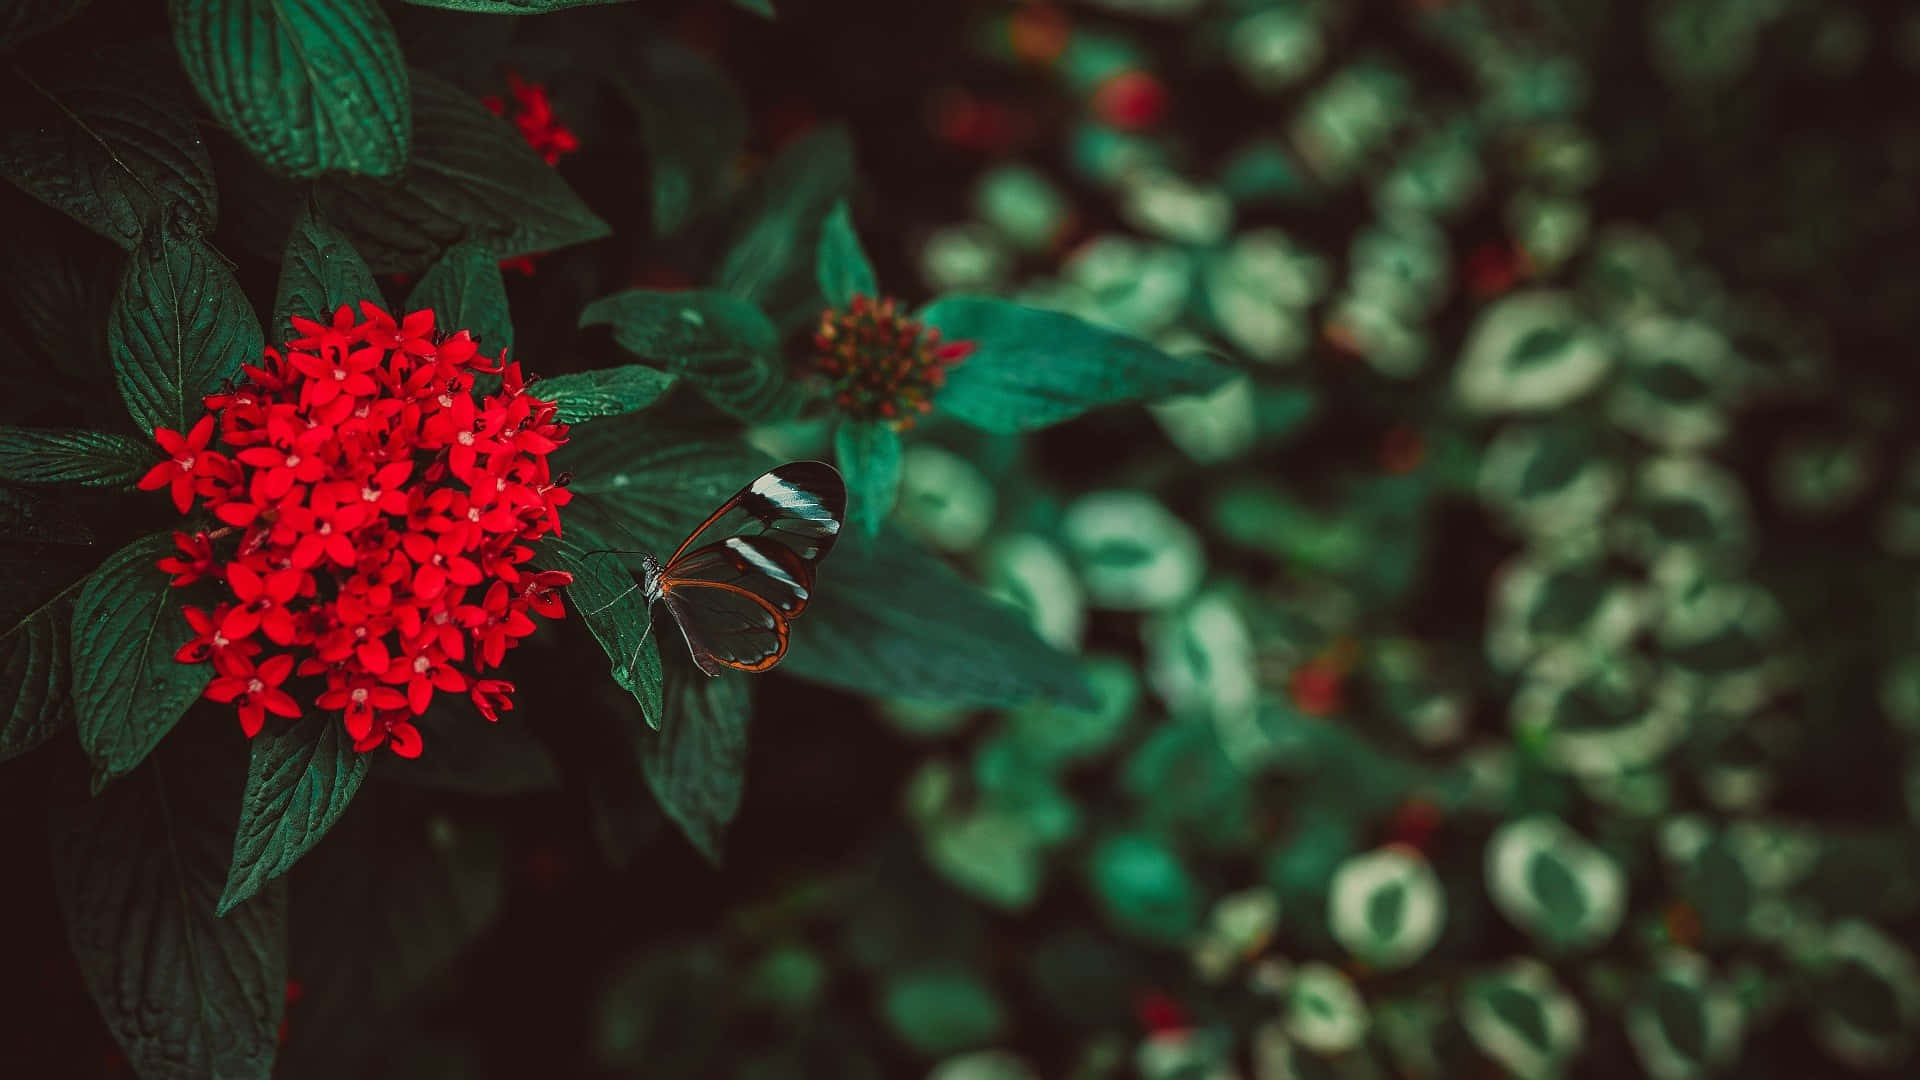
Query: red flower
{"x": 880, "y": 364}
{"x": 533, "y": 115}
{"x": 188, "y": 463}
{"x": 368, "y": 495}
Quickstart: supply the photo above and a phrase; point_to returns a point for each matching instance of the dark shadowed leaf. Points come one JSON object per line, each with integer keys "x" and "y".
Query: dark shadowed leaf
{"x": 696, "y": 764}
{"x": 471, "y": 176}
{"x": 180, "y": 326}
{"x": 762, "y": 8}
{"x": 841, "y": 264}
{"x": 694, "y": 124}
{"x": 72, "y": 456}
{"x": 650, "y": 479}
{"x": 138, "y": 868}
{"x": 319, "y": 271}
{"x": 23, "y": 19}
{"x": 900, "y": 624}
{"x": 110, "y": 143}
{"x": 868, "y": 453}
{"x": 722, "y": 345}
{"x": 128, "y": 690}
{"x": 465, "y": 291}
{"x": 42, "y": 566}
{"x": 1031, "y": 368}
{"x": 604, "y": 597}
{"x": 299, "y": 781}
{"x": 606, "y": 392}
{"x": 510, "y": 7}
{"x": 772, "y": 259}
{"x": 465, "y": 753}
{"x": 309, "y": 86}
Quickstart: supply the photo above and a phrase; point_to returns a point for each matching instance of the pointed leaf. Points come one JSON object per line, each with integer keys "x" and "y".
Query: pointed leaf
{"x": 696, "y": 765}
{"x": 72, "y": 456}
{"x": 722, "y": 345}
{"x": 128, "y": 690}
{"x": 24, "y": 19}
{"x": 901, "y": 624}
{"x": 604, "y": 595}
{"x": 34, "y": 663}
{"x": 299, "y": 782}
{"x": 111, "y": 143}
{"x": 606, "y": 392}
{"x": 868, "y": 452}
{"x": 501, "y": 758}
{"x": 186, "y": 994}
{"x": 319, "y": 272}
{"x": 1032, "y": 368}
{"x": 694, "y": 123}
{"x": 772, "y": 259}
{"x": 841, "y": 263}
{"x": 652, "y": 479}
{"x": 180, "y": 326}
{"x": 465, "y": 291}
{"x": 309, "y": 86}
{"x": 471, "y": 176}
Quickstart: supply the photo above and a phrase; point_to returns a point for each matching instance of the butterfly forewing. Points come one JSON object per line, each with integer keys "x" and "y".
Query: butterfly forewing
{"x": 732, "y": 596}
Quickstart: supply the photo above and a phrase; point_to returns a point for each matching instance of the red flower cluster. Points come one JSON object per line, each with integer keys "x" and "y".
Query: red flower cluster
{"x": 881, "y": 364}
{"x": 533, "y": 115}
{"x": 379, "y": 516}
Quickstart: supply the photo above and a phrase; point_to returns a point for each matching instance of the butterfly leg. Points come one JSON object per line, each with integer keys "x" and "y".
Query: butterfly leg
{"x": 633, "y": 665}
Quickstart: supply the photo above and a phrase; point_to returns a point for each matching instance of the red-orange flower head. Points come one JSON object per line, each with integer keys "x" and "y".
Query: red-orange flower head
{"x": 533, "y": 115}
{"x": 880, "y": 364}
{"x": 375, "y": 518}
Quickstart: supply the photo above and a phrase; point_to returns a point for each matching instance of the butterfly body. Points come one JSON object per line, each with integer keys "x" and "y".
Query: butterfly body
{"x": 734, "y": 596}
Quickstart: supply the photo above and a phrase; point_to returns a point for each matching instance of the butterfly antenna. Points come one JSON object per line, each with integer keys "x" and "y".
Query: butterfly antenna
{"x": 615, "y": 600}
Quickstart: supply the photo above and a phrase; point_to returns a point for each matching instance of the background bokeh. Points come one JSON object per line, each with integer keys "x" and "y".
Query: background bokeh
{"x": 1514, "y": 672}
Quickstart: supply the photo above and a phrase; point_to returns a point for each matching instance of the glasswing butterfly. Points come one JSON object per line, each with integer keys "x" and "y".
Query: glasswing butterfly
{"x": 734, "y": 595}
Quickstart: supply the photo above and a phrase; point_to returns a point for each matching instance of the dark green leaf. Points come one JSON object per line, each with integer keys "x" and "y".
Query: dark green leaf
{"x": 695, "y": 125}
{"x": 772, "y": 259}
{"x": 901, "y": 624}
{"x": 696, "y": 764}
{"x": 724, "y": 346}
{"x": 648, "y": 480}
{"x": 606, "y": 392}
{"x": 758, "y": 7}
{"x": 309, "y": 86}
{"x": 465, "y": 291}
{"x": 471, "y": 176}
{"x": 72, "y": 456}
{"x": 841, "y": 264}
{"x": 34, "y": 663}
{"x": 128, "y": 690}
{"x": 24, "y": 19}
{"x": 180, "y": 326}
{"x": 299, "y": 782}
{"x": 868, "y": 452}
{"x": 112, "y": 144}
{"x": 1031, "y": 368}
{"x": 319, "y": 272}
{"x": 604, "y": 596}
{"x": 466, "y": 754}
{"x": 138, "y": 869}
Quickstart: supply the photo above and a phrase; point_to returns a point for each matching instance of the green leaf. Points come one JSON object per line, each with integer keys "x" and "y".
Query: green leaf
{"x": 772, "y": 258}
{"x": 696, "y": 765}
{"x": 34, "y": 662}
{"x": 763, "y": 8}
{"x": 309, "y": 86}
{"x": 138, "y": 868}
{"x": 128, "y": 690}
{"x": 1032, "y": 368}
{"x": 24, "y": 19}
{"x": 723, "y": 345}
{"x": 471, "y": 177}
{"x": 606, "y": 392}
{"x": 648, "y": 480}
{"x": 319, "y": 272}
{"x": 72, "y": 456}
{"x": 901, "y": 624}
{"x": 111, "y": 144}
{"x": 841, "y": 264}
{"x": 509, "y": 7}
{"x": 180, "y": 326}
{"x": 605, "y": 598}
{"x": 299, "y": 782}
{"x": 868, "y": 452}
{"x": 465, "y": 291}
{"x": 694, "y": 124}
{"x": 468, "y": 755}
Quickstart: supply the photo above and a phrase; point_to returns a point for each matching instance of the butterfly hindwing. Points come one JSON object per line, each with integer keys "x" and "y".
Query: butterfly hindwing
{"x": 734, "y": 595}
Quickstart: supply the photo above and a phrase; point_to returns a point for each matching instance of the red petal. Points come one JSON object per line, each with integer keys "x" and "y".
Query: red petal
{"x": 406, "y": 739}
{"x": 158, "y": 477}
